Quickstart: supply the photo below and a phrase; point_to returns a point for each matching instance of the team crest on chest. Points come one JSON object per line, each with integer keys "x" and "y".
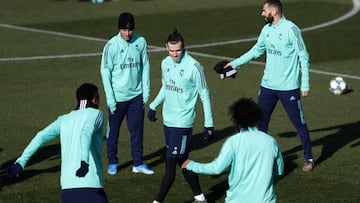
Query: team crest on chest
{"x": 181, "y": 73}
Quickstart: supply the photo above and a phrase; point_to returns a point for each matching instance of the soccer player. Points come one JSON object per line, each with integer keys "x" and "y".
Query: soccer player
{"x": 125, "y": 72}
{"x": 286, "y": 57}
{"x": 81, "y": 138}
{"x": 254, "y": 157}
{"x": 183, "y": 79}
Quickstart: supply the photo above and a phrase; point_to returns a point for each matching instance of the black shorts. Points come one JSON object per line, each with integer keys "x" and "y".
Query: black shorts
{"x": 178, "y": 141}
{"x": 84, "y": 195}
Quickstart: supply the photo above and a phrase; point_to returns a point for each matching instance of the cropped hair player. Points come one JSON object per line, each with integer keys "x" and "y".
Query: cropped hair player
{"x": 81, "y": 136}
{"x": 286, "y": 75}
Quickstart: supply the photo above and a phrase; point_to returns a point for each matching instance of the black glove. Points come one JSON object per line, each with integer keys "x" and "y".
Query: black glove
{"x": 83, "y": 170}
{"x": 209, "y": 133}
{"x": 15, "y": 170}
{"x": 152, "y": 115}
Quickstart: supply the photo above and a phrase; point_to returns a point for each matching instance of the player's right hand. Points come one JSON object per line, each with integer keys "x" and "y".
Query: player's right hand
{"x": 15, "y": 170}
{"x": 152, "y": 115}
{"x": 209, "y": 133}
{"x": 228, "y": 65}
{"x": 112, "y": 109}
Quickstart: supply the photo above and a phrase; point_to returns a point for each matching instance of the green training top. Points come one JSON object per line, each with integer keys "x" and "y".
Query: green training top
{"x": 81, "y": 139}
{"x": 285, "y": 52}
{"x": 254, "y": 158}
{"x": 125, "y": 70}
{"x": 182, "y": 82}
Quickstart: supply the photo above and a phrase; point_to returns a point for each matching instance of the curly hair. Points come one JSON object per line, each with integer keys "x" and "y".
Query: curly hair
{"x": 245, "y": 113}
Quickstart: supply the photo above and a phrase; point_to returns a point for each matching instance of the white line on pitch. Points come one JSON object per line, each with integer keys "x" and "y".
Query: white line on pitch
{"x": 355, "y": 10}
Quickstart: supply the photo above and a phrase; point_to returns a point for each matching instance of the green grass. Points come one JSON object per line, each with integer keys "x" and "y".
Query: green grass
{"x": 35, "y": 92}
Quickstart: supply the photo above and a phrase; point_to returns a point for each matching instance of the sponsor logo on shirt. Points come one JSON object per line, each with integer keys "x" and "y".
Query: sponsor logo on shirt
{"x": 272, "y": 50}
{"x": 131, "y": 64}
{"x": 172, "y": 87}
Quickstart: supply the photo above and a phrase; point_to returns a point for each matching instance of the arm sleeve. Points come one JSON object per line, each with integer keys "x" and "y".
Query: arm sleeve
{"x": 106, "y": 69}
{"x": 279, "y": 162}
{"x": 93, "y": 123}
{"x": 257, "y": 50}
{"x": 50, "y": 132}
{"x": 160, "y": 96}
{"x": 203, "y": 90}
{"x": 218, "y": 165}
{"x": 300, "y": 48}
{"x": 145, "y": 74}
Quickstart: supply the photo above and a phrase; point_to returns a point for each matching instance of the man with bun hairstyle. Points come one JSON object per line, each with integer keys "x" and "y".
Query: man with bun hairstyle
{"x": 125, "y": 73}
{"x": 81, "y": 136}
{"x": 183, "y": 80}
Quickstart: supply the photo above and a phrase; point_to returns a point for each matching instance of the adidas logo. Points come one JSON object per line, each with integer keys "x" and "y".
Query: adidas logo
{"x": 292, "y": 98}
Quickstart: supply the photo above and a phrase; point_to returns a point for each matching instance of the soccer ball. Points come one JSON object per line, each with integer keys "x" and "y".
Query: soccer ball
{"x": 97, "y": 1}
{"x": 337, "y": 85}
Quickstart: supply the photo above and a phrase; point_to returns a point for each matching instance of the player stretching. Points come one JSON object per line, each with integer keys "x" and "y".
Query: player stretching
{"x": 81, "y": 139}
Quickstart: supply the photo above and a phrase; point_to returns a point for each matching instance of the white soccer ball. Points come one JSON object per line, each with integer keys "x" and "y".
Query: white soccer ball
{"x": 97, "y": 1}
{"x": 337, "y": 85}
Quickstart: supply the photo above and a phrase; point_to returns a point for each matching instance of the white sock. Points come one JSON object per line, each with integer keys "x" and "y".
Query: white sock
{"x": 200, "y": 197}
{"x": 155, "y": 201}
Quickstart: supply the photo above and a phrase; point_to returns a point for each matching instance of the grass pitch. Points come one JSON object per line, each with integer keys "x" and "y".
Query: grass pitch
{"x": 49, "y": 47}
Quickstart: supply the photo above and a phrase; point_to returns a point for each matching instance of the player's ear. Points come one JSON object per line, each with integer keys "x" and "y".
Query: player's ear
{"x": 274, "y": 11}
{"x": 96, "y": 100}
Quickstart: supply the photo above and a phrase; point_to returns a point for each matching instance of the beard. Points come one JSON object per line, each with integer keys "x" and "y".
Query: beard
{"x": 269, "y": 19}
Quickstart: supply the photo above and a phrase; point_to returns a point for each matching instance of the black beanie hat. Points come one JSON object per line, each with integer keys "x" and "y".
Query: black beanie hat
{"x": 224, "y": 72}
{"x": 126, "y": 21}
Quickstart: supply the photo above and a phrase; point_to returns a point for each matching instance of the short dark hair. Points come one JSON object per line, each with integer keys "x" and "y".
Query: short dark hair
{"x": 88, "y": 92}
{"x": 245, "y": 113}
{"x": 175, "y": 37}
{"x": 275, "y": 3}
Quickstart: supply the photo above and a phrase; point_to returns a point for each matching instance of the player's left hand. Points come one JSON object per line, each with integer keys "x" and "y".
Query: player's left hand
{"x": 83, "y": 170}
{"x": 15, "y": 170}
{"x": 209, "y": 133}
{"x": 152, "y": 115}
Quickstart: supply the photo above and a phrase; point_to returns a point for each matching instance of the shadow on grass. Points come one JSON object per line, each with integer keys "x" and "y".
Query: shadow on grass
{"x": 330, "y": 143}
{"x": 49, "y": 152}
{"x": 218, "y": 191}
